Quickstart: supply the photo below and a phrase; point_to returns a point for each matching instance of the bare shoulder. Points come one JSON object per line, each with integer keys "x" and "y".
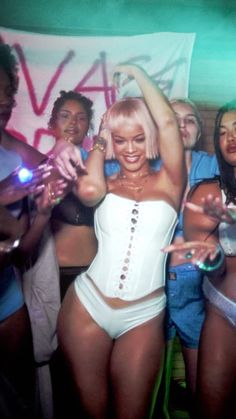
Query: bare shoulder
{"x": 204, "y": 188}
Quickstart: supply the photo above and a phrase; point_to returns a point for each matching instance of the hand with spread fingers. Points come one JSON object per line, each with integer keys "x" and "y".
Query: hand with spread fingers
{"x": 199, "y": 253}
{"x": 193, "y": 251}
{"x": 17, "y": 185}
{"x": 68, "y": 159}
{"x": 213, "y": 206}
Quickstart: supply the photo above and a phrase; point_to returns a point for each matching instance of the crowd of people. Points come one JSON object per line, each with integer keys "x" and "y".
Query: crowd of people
{"x": 142, "y": 250}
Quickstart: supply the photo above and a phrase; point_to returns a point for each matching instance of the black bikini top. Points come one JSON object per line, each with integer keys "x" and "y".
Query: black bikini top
{"x": 72, "y": 211}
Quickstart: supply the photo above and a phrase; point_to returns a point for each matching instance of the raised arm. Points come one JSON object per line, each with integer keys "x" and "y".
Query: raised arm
{"x": 92, "y": 186}
{"x": 169, "y": 141}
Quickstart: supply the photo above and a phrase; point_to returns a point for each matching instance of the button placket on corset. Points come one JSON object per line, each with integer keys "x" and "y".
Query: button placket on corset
{"x": 126, "y": 269}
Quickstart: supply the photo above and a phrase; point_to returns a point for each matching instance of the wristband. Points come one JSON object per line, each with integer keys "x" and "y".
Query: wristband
{"x": 232, "y": 214}
{"x": 213, "y": 265}
{"x": 100, "y": 145}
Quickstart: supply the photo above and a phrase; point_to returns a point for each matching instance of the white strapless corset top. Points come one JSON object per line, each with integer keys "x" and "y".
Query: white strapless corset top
{"x": 129, "y": 263}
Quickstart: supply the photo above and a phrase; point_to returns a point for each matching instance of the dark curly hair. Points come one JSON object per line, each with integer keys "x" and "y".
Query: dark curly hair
{"x": 9, "y": 64}
{"x": 228, "y": 181}
{"x": 71, "y": 95}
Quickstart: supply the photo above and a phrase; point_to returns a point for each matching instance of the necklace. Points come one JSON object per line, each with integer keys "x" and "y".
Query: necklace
{"x": 138, "y": 187}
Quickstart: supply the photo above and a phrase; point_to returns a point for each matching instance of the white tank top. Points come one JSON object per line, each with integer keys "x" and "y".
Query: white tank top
{"x": 129, "y": 263}
{"x": 227, "y": 233}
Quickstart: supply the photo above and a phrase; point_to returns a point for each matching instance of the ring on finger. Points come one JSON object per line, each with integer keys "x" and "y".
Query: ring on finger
{"x": 189, "y": 254}
{"x": 58, "y": 200}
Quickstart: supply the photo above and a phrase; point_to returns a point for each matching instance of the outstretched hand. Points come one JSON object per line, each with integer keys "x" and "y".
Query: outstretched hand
{"x": 68, "y": 159}
{"x": 196, "y": 252}
{"x": 213, "y": 207}
{"x": 13, "y": 189}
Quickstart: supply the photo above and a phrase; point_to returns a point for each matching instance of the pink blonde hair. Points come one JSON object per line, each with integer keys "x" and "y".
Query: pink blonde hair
{"x": 131, "y": 109}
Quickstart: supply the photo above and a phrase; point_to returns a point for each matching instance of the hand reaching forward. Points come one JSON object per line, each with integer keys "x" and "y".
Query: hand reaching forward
{"x": 207, "y": 256}
{"x": 13, "y": 189}
{"x": 68, "y": 159}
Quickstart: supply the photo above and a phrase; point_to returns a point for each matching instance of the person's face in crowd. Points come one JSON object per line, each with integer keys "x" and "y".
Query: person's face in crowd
{"x": 6, "y": 98}
{"x": 228, "y": 137}
{"x": 72, "y": 122}
{"x": 129, "y": 146}
{"x": 188, "y": 124}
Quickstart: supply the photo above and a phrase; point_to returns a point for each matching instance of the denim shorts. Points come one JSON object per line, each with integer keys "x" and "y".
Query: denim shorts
{"x": 11, "y": 294}
{"x": 185, "y": 304}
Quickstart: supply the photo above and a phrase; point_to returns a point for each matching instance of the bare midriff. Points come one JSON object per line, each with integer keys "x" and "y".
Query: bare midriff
{"x": 75, "y": 245}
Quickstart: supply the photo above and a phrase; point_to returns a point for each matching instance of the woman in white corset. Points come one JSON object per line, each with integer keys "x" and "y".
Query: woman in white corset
{"x": 210, "y": 224}
{"x": 111, "y": 321}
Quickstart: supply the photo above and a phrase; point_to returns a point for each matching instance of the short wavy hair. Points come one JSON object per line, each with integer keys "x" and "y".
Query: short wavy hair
{"x": 9, "y": 64}
{"x": 131, "y": 109}
{"x": 71, "y": 95}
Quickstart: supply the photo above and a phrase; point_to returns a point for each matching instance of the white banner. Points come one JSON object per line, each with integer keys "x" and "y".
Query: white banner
{"x": 51, "y": 63}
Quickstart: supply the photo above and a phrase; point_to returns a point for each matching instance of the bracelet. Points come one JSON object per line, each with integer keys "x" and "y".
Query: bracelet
{"x": 213, "y": 265}
{"x": 232, "y": 214}
{"x": 100, "y": 145}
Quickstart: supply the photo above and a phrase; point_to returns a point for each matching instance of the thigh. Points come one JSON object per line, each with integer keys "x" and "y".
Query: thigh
{"x": 16, "y": 353}
{"x": 15, "y": 336}
{"x": 135, "y": 363}
{"x": 86, "y": 348}
{"x": 216, "y": 381}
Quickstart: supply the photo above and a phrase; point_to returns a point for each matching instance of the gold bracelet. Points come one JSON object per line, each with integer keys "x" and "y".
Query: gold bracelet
{"x": 100, "y": 145}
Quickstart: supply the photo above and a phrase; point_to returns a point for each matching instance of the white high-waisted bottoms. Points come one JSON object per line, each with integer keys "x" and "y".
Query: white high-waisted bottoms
{"x": 226, "y": 306}
{"x": 116, "y": 321}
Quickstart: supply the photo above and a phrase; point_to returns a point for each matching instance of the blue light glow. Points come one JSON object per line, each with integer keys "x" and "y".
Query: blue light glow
{"x": 24, "y": 175}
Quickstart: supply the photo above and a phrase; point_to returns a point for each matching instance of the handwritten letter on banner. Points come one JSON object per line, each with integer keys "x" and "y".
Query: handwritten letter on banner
{"x": 49, "y": 64}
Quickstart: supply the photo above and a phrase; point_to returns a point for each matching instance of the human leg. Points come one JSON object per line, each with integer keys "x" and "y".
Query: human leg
{"x": 16, "y": 356}
{"x": 87, "y": 348}
{"x": 216, "y": 378}
{"x": 135, "y": 362}
{"x": 186, "y": 312}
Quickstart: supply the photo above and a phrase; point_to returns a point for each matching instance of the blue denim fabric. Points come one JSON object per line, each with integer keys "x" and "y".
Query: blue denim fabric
{"x": 185, "y": 304}
{"x": 11, "y": 295}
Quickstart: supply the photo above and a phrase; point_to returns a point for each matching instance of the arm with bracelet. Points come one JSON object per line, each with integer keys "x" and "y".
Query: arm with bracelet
{"x": 201, "y": 246}
{"x": 201, "y": 225}
{"x": 91, "y": 186}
